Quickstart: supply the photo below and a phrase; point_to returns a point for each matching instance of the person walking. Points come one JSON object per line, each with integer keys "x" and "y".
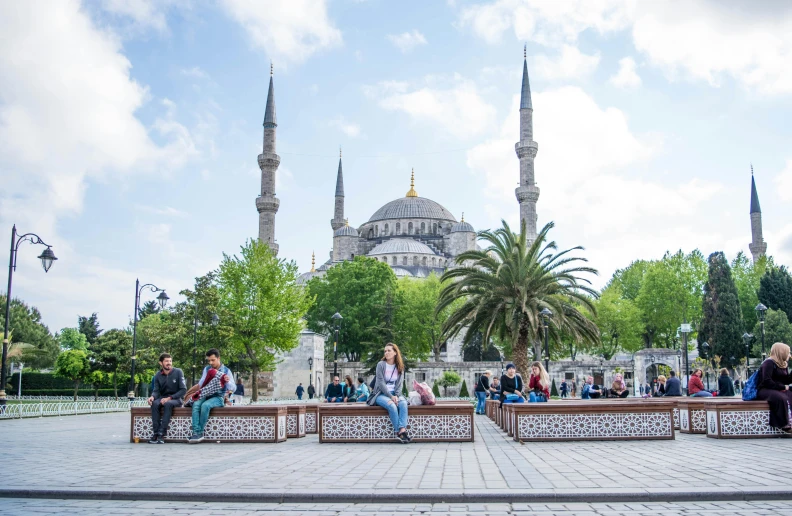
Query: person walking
{"x": 388, "y": 382}
{"x": 482, "y": 387}
{"x": 564, "y": 388}
{"x": 311, "y": 391}
{"x": 574, "y": 388}
{"x": 772, "y": 384}
{"x": 239, "y": 393}
{"x": 168, "y": 389}
{"x": 299, "y": 392}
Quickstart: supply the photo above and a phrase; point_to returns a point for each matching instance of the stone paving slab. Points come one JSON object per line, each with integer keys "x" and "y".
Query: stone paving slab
{"x": 16, "y": 506}
{"x": 93, "y": 453}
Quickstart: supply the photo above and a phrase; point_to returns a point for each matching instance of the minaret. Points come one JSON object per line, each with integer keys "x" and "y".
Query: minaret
{"x": 338, "y": 212}
{"x": 757, "y": 246}
{"x": 527, "y": 193}
{"x": 267, "y": 204}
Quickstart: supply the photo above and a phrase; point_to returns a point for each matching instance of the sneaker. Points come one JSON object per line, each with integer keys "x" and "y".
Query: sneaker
{"x": 154, "y": 439}
{"x": 195, "y": 439}
{"x": 160, "y": 440}
{"x": 404, "y": 437}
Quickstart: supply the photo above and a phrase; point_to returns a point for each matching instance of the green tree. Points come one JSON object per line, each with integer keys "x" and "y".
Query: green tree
{"x": 448, "y": 379}
{"x": 721, "y": 325}
{"x": 504, "y": 287}
{"x": 264, "y": 305}
{"x": 25, "y": 326}
{"x": 463, "y": 391}
{"x": 149, "y": 308}
{"x": 435, "y": 389}
{"x": 620, "y": 323}
{"x": 474, "y": 350}
{"x": 89, "y": 326}
{"x": 775, "y": 290}
{"x": 359, "y": 291}
{"x": 747, "y": 276}
{"x": 73, "y": 365}
{"x": 71, "y": 338}
{"x": 777, "y": 329}
{"x": 111, "y": 353}
{"x": 553, "y": 389}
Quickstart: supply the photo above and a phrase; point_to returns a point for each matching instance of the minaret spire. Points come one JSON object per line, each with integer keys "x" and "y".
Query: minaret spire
{"x": 527, "y": 193}
{"x": 267, "y": 204}
{"x": 338, "y": 210}
{"x": 757, "y": 246}
{"x": 313, "y": 261}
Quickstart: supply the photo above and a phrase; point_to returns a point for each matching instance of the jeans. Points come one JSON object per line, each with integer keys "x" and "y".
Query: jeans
{"x": 398, "y": 416}
{"x": 482, "y": 398}
{"x": 362, "y": 399}
{"x": 340, "y": 399}
{"x": 702, "y": 394}
{"x": 519, "y": 400}
{"x": 161, "y": 427}
{"x": 200, "y": 413}
{"x": 536, "y": 398}
{"x": 495, "y": 397}
{"x": 299, "y": 396}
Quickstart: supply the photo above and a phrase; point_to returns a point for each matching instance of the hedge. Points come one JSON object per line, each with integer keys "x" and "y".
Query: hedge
{"x": 46, "y": 382}
{"x": 70, "y": 392}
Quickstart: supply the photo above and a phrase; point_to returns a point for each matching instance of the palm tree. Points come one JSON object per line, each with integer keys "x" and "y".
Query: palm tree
{"x": 506, "y": 285}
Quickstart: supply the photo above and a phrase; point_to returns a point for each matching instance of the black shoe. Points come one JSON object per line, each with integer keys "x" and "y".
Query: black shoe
{"x": 405, "y": 438}
{"x": 160, "y": 440}
{"x": 154, "y": 439}
{"x": 195, "y": 439}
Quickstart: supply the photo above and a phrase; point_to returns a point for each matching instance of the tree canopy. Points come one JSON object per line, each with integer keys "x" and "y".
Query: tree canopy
{"x": 721, "y": 324}
{"x": 775, "y": 290}
{"x": 25, "y": 327}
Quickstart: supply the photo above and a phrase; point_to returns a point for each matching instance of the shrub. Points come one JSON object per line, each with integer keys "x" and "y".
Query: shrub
{"x": 435, "y": 389}
{"x": 65, "y": 392}
{"x": 463, "y": 391}
{"x": 553, "y": 389}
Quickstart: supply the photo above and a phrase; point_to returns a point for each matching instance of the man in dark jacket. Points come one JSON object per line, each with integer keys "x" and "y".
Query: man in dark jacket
{"x": 311, "y": 391}
{"x": 334, "y": 392}
{"x": 673, "y": 387}
{"x": 168, "y": 389}
{"x": 299, "y": 391}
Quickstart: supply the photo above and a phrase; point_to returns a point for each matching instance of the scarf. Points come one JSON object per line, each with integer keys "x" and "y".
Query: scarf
{"x": 212, "y": 384}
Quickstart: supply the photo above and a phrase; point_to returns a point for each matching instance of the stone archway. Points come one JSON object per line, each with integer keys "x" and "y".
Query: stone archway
{"x": 654, "y": 356}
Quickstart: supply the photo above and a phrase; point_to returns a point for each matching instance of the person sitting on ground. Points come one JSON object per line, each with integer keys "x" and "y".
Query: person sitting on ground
{"x": 673, "y": 387}
{"x": 216, "y": 381}
{"x": 511, "y": 386}
{"x": 539, "y": 383}
{"x": 564, "y": 388}
{"x": 362, "y": 392}
{"x": 590, "y": 391}
{"x": 482, "y": 387}
{"x": 494, "y": 390}
{"x": 772, "y": 385}
{"x": 725, "y": 385}
{"x": 311, "y": 391}
{"x": 388, "y": 384}
{"x": 335, "y": 391}
{"x": 299, "y": 391}
{"x": 168, "y": 388}
{"x": 349, "y": 390}
{"x": 696, "y": 386}
{"x": 618, "y": 388}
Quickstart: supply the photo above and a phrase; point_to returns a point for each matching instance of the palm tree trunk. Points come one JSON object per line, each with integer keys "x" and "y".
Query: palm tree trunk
{"x": 520, "y": 352}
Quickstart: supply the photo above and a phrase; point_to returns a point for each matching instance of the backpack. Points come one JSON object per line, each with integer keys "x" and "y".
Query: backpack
{"x": 750, "y": 388}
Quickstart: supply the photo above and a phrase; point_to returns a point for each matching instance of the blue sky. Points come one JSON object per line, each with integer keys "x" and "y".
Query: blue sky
{"x": 129, "y": 130}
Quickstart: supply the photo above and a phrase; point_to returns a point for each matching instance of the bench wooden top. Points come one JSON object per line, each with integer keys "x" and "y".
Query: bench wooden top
{"x": 360, "y": 408}
{"x": 583, "y": 406}
{"x": 244, "y": 410}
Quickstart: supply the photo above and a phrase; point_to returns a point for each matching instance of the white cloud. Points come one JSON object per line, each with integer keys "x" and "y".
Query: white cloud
{"x": 454, "y": 105}
{"x": 144, "y": 14}
{"x": 165, "y": 211}
{"x": 348, "y": 128}
{"x": 288, "y": 30}
{"x": 195, "y": 71}
{"x": 570, "y": 64}
{"x": 407, "y": 41}
{"x": 783, "y": 182}
{"x": 626, "y": 77}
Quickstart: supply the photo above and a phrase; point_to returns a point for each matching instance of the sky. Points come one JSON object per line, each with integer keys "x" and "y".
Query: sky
{"x": 129, "y": 130}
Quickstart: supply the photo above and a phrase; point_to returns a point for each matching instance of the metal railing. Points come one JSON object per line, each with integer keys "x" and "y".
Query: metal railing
{"x": 71, "y": 408}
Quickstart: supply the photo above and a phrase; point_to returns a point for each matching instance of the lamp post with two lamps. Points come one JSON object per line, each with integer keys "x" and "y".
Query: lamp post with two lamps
{"x": 705, "y": 349}
{"x": 46, "y": 257}
{"x": 747, "y": 341}
{"x": 546, "y": 315}
{"x": 760, "y": 312}
{"x": 337, "y": 323}
{"x": 162, "y": 298}
{"x": 684, "y": 329}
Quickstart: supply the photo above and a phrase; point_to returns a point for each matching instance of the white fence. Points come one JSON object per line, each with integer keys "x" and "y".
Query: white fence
{"x": 70, "y": 408}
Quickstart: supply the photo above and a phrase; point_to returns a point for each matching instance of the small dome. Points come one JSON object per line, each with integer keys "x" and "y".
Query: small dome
{"x": 462, "y": 227}
{"x": 401, "y": 245}
{"x": 346, "y": 231}
{"x": 401, "y": 273}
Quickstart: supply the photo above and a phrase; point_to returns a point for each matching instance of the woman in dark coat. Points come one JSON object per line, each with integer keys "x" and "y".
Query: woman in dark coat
{"x": 772, "y": 384}
{"x": 725, "y": 384}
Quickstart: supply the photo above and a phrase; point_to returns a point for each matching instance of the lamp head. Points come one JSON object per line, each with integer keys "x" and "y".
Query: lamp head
{"x": 47, "y": 257}
{"x": 215, "y": 319}
{"x": 162, "y": 298}
{"x": 760, "y": 311}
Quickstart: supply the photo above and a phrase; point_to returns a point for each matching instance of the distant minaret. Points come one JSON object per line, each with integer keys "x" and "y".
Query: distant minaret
{"x": 267, "y": 204}
{"x": 338, "y": 212}
{"x": 757, "y": 246}
{"x": 527, "y": 193}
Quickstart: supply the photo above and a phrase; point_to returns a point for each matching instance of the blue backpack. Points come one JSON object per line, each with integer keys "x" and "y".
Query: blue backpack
{"x": 749, "y": 388}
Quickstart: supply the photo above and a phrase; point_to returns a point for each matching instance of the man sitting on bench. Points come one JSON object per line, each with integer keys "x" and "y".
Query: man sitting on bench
{"x": 334, "y": 392}
{"x": 168, "y": 388}
{"x": 590, "y": 391}
{"x": 211, "y": 393}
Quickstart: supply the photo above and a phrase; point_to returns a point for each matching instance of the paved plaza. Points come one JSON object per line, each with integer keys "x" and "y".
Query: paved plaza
{"x": 90, "y": 457}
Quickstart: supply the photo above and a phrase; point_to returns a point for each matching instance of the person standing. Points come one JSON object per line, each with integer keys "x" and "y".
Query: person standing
{"x": 388, "y": 383}
{"x": 212, "y": 394}
{"x": 311, "y": 391}
{"x": 539, "y": 383}
{"x": 482, "y": 387}
{"x": 564, "y": 388}
{"x": 168, "y": 389}
{"x": 574, "y": 388}
{"x": 299, "y": 392}
{"x": 239, "y": 393}
{"x": 772, "y": 385}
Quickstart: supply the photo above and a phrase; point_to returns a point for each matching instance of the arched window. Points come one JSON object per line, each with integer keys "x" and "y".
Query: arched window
{"x": 393, "y": 260}
{"x": 423, "y": 261}
{"x": 376, "y": 230}
{"x": 434, "y": 261}
{"x": 434, "y": 228}
{"x": 404, "y": 260}
{"x": 353, "y": 256}
{"x": 423, "y": 228}
{"x": 398, "y": 228}
{"x": 415, "y": 260}
{"x": 371, "y": 232}
{"x": 409, "y": 228}
{"x": 386, "y": 230}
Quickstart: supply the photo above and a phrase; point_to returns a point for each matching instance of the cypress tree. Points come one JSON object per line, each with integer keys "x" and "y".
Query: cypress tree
{"x": 721, "y": 323}
{"x": 775, "y": 290}
{"x": 435, "y": 389}
{"x": 404, "y": 390}
{"x": 463, "y": 392}
{"x": 553, "y": 389}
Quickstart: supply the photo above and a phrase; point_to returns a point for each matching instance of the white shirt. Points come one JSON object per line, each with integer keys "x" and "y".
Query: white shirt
{"x": 391, "y": 376}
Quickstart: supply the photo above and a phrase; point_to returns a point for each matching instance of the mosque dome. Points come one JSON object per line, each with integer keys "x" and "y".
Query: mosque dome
{"x": 346, "y": 231}
{"x": 403, "y": 246}
{"x": 462, "y": 226}
{"x": 412, "y": 208}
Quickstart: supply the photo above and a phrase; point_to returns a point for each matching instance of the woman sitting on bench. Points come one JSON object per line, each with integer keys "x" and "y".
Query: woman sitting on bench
{"x": 511, "y": 386}
{"x": 387, "y": 390}
{"x": 539, "y": 383}
{"x": 772, "y": 383}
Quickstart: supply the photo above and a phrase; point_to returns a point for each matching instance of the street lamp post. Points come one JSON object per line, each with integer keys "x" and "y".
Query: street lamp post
{"x": 46, "y": 257}
{"x": 546, "y": 314}
{"x": 602, "y": 370}
{"x": 760, "y": 312}
{"x": 747, "y": 340}
{"x": 503, "y": 371}
{"x": 684, "y": 330}
{"x": 215, "y": 320}
{"x": 310, "y": 370}
{"x": 162, "y": 298}
{"x": 337, "y": 323}
{"x": 632, "y": 361}
{"x": 705, "y": 348}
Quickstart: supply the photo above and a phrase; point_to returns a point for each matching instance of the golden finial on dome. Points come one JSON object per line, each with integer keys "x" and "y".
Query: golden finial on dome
{"x": 346, "y": 222}
{"x": 313, "y": 261}
{"x": 412, "y": 192}
{"x": 463, "y": 216}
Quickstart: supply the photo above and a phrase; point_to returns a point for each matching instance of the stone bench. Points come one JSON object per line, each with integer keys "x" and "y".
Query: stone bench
{"x": 248, "y": 423}
{"x": 732, "y": 418}
{"x": 355, "y": 423}
{"x": 295, "y": 421}
{"x": 692, "y": 415}
{"x": 605, "y": 420}
{"x": 311, "y": 417}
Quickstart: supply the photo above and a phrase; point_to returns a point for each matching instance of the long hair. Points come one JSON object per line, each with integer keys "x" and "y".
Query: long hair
{"x": 348, "y": 381}
{"x": 780, "y": 354}
{"x": 397, "y": 360}
{"x": 697, "y": 370}
{"x": 544, "y": 378}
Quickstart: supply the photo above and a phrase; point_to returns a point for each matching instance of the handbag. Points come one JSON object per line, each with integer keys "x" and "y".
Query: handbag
{"x": 514, "y": 397}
